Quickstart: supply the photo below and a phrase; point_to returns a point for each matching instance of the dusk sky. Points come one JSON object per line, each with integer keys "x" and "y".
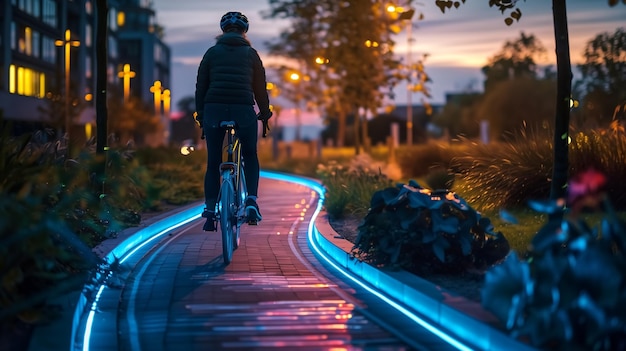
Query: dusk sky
{"x": 458, "y": 42}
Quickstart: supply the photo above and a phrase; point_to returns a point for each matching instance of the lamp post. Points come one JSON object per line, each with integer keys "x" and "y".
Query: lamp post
{"x": 407, "y": 15}
{"x": 126, "y": 74}
{"x": 295, "y": 77}
{"x": 67, "y": 43}
{"x": 156, "y": 89}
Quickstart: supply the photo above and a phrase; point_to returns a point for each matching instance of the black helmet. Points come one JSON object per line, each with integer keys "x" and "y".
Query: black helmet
{"x": 234, "y": 19}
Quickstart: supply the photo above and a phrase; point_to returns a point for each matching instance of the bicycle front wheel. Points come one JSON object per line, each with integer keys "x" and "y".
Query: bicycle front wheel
{"x": 228, "y": 220}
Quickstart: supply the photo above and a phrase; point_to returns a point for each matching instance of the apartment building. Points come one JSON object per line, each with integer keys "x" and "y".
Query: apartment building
{"x": 47, "y": 48}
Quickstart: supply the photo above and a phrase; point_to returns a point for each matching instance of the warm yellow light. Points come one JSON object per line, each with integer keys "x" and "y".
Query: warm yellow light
{"x": 126, "y": 74}
{"x": 166, "y": 101}
{"x": 12, "y": 79}
{"x": 42, "y": 85}
{"x": 391, "y": 8}
{"x": 28, "y": 82}
{"x": 156, "y": 90}
{"x": 28, "y": 33}
{"x": 88, "y": 130}
{"x": 20, "y": 80}
{"x": 321, "y": 60}
{"x": 294, "y": 76}
{"x": 88, "y": 97}
{"x": 121, "y": 19}
{"x": 269, "y": 86}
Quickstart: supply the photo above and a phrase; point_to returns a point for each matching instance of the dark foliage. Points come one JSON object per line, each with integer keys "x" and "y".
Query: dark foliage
{"x": 424, "y": 231}
{"x": 571, "y": 293}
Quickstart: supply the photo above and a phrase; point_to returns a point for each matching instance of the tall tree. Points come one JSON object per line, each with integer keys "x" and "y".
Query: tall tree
{"x": 604, "y": 77}
{"x": 354, "y": 40}
{"x": 517, "y": 59}
{"x": 564, "y": 84}
{"x": 558, "y": 187}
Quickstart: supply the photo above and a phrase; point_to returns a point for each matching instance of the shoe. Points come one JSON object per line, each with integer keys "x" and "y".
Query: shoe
{"x": 209, "y": 225}
{"x": 252, "y": 212}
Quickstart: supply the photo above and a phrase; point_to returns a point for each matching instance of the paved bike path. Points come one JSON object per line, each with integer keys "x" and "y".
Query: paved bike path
{"x": 275, "y": 294}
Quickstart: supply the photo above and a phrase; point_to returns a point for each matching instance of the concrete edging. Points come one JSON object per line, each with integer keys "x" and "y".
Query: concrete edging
{"x": 465, "y": 319}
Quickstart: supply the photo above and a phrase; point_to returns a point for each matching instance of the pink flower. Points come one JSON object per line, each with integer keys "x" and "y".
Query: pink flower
{"x": 586, "y": 183}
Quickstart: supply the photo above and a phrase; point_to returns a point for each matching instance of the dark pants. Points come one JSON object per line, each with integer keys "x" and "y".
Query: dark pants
{"x": 247, "y": 132}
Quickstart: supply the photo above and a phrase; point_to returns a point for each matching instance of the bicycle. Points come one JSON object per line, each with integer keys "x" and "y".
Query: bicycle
{"x": 230, "y": 207}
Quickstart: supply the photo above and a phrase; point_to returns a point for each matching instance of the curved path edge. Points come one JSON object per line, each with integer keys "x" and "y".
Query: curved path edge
{"x": 463, "y": 320}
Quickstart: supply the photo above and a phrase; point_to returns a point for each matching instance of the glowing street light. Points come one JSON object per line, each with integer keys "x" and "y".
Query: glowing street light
{"x": 296, "y": 78}
{"x": 67, "y": 43}
{"x": 156, "y": 89}
{"x": 166, "y": 97}
{"x": 126, "y": 74}
{"x": 407, "y": 15}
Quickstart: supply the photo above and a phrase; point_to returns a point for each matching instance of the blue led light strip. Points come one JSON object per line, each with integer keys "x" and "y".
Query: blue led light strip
{"x": 147, "y": 235}
{"x": 316, "y": 186}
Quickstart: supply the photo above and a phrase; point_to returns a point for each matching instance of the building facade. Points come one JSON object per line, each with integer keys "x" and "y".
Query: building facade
{"x": 48, "y": 62}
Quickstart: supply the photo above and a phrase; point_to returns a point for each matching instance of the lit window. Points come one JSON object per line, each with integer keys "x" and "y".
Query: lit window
{"x": 28, "y": 41}
{"x": 121, "y": 19}
{"x": 12, "y": 79}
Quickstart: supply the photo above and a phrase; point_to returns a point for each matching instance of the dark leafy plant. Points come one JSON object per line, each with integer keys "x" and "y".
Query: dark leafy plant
{"x": 426, "y": 231}
{"x": 571, "y": 293}
{"x": 52, "y": 212}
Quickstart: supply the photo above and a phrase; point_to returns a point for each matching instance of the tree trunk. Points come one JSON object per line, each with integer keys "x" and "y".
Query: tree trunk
{"x": 341, "y": 129}
{"x": 357, "y": 130}
{"x": 558, "y": 187}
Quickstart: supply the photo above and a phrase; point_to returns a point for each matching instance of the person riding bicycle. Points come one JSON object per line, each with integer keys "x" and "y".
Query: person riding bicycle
{"x": 231, "y": 77}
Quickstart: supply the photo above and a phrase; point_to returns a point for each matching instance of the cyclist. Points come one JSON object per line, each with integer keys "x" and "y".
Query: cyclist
{"x": 231, "y": 77}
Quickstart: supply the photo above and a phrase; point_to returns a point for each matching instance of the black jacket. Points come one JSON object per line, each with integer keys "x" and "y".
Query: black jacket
{"x": 231, "y": 72}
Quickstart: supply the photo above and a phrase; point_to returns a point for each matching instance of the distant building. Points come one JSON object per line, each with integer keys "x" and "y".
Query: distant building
{"x": 33, "y": 60}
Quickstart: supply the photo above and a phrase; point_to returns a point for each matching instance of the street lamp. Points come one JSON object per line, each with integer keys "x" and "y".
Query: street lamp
{"x": 407, "y": 16}
{"x": 126, "y": 74}
{"x": 156, "y": 89}
{"x": 295, "y": 77}
{"x": 67, "y": 43}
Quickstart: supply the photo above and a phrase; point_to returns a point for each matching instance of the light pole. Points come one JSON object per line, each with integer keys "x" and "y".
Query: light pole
{"x": 407, "y": 16}
{"x": 67, "y": 43}
{"x": 156, "y": 89}
{"x": 295, "y": 77}
{"x": 126, "y": 74}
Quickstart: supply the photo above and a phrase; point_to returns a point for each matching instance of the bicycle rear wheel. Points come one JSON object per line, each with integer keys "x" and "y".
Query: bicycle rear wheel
{"x": 228, "y": 220}
{"x": 241, "y": 194}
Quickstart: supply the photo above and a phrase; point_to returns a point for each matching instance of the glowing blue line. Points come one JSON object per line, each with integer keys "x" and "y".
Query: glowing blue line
{"x": 158, "y": 235}
{"x": 314, "y": 185}
{"x": 430, "y": 327}
{"x": 125, "y": 255}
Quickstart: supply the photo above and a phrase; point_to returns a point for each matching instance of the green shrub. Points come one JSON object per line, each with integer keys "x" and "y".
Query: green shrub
{"x": 424, "y": 231}
{"x": 350, "y": 188}
{"x": 53, "y": 210}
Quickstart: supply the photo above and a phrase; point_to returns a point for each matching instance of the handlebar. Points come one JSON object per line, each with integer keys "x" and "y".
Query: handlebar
{"x": 266, "y": 126}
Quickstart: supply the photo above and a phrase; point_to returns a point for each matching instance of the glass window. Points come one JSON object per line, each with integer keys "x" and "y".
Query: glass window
{"x": 26, "y": 81}
{"x": 88, "y": 35}
{"x": 36, "y": 45}
{"x": 49, "y": 51}
{"x": 50, "y": 12}
{"x": 113, "y": 19}
{"x": 88, "y": 7}
{"x": 13, "y": 36}
{"x": 36, "y": 8}
{"x": 88, "y": 71}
